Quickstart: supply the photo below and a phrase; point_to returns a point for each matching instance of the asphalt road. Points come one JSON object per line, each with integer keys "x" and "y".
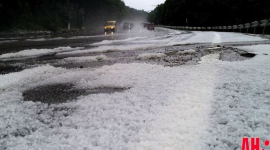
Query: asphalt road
{"x": 17, "y": 44}
{"x": 157, "y": 37}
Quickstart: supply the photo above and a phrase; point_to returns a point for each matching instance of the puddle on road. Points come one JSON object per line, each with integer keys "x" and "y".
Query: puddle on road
{"x": 235, "y": 55}
{"x": 107, "y": 90}
{"x": 248, "y": 55}
{"x": 57, "y": 93}
{"x": 6, "y": 69}
{"x": 183, "y": 44}
{"x": 226, "y": 54}
{"x": 171, "y": 53}
{"x": 62, "y": 93}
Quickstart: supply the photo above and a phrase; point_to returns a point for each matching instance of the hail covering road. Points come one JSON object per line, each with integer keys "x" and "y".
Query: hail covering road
{"x": 162, "y": 89}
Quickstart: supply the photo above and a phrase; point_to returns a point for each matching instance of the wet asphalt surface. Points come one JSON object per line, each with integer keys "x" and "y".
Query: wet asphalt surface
{"x": 8, "y": 45}
{"x": 61, "y": 93}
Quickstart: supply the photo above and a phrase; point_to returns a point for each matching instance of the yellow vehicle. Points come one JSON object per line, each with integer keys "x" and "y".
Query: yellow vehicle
{"x": 110, "y": 26}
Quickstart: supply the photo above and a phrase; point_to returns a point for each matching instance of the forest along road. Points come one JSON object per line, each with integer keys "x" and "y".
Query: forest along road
{"x": 162, "y": 89}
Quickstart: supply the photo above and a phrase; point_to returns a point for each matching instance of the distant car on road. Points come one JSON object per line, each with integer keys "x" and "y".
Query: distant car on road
{"x": 110, "y": 26}
{"x": 145, "y": 24}
{"x": 126, "y": 26}
{"x": 132, "y": 25}
{"x": 150, "y": 26}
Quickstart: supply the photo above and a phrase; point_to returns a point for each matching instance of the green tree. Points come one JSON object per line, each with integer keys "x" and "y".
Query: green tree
{"x": 210, "y": 12}
{"x": 54, "y": 15}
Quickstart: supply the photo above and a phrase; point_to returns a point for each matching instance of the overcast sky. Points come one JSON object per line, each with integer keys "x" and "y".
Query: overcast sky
{"x": 146, "y": 5}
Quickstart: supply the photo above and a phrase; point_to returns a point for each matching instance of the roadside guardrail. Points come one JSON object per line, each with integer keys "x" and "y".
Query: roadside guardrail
{"x": 254, "y": 25}
{"x": 247, "y": 26}
{"x": 262, "y": 25}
